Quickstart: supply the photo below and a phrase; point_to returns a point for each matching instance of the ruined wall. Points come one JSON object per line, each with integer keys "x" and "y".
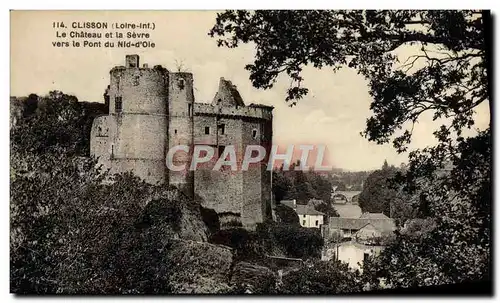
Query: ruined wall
{"x": 266, "y": 176}
{"x": 200, "y": 123}
{"x": 227, "y": 95}
{"x": 251, "y": 111}
{"x": 99, "y": 140}
{"x": 252, "y": 183}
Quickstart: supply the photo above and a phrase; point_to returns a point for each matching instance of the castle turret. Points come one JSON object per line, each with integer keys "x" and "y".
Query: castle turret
{"x": 180, "y": 128}
{"x": 227, "y": 95}
{"x": 138, "y": 109}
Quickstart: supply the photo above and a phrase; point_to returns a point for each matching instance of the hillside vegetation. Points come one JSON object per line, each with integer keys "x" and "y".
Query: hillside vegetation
{"x": 75, "y": 232}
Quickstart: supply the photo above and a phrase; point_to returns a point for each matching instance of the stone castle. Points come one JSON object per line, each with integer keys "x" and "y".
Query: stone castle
{"x": 151, "y": 110}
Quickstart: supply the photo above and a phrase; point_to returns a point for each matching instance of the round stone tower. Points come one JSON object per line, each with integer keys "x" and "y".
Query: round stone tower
{"x": 180, "y": 128}
{"x": 138, "y": 103}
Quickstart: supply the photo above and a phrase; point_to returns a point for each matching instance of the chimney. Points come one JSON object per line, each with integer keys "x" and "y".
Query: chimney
{"x": 132, "y": 61}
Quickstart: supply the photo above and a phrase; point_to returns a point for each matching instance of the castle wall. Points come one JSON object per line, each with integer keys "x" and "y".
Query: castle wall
{"x": 221, "y": 190}
{"x": 266, "y": 176}
{"x": 227, "y": 95}
{"x": 146, "y": 169}
{"x": 200, "y": 137}
{"x": 252, "y": 208}
{"x": 241, "y": 192}
{"x": 180, "y": 128}
{"x": 138, "y": 107}
{"x": 251, "y": 111}
{"x": 152, "y": 110}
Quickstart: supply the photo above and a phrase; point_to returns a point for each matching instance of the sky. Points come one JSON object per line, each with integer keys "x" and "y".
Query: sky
{"x": 332, "y": 114}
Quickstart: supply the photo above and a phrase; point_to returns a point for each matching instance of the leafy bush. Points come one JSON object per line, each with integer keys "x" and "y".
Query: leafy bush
{"x": 210, "y": 218}
{"x": 252, "y": 278}
{"x": 285, "y": 214}
{"x": 323, "y": 278}
{"x": 54, "y": 122}
{"x": 199, "y": 267}
{"x": 70, "y": 233}
{"x": 293, "y": 240}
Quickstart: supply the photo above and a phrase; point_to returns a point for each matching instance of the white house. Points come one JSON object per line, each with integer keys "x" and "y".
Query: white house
{"x": 357, "y": 238}
{"x": 308, "y": 216}
{"x": 352, "y": 253}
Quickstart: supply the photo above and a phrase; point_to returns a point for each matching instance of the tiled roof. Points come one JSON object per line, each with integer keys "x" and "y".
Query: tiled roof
{"x": 383, "y": 225}
{"x": 301, "y": 209}
{"x": 373, "y": 216}
{"x": 348, "y": 210}
{"x": 347, "y": 223}
{"x": 288, "y": 203}
{"x": 307, "y": 210}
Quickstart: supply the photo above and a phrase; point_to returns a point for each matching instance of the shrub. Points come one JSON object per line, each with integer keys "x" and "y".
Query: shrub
{"x": 321, "y": 278}
{"x": 71, "y": 234}
{"x": 296, "y": 241}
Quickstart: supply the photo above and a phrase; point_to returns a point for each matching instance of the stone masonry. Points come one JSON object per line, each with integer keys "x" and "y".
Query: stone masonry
{"x": 152, "y": 109}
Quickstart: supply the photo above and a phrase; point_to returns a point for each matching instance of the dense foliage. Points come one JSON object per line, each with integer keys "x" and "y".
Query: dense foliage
{"x": 48, "y": 123}
{"x": 347, "y": 180}
{"x": 274, "y": 239}
{"x": 381, "y": 194}
{"x": 300, "y": 185}
{"x": 71, "y": 232}
{"x": 297, "y": 241}
{"x": 303, "y": 186}
{"x": 322, "y": 278}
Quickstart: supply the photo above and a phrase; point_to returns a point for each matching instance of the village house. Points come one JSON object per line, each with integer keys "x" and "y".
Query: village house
{"x": 352, "y": 253}
{"x": 308, "y": 216}
{"x": 352, "y": 240}
{"x": 375, "y": 225}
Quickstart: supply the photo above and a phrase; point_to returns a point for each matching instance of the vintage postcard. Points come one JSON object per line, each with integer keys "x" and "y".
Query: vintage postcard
{"x": 250, "y": 152}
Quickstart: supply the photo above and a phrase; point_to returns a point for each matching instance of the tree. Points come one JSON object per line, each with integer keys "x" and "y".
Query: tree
{"x": 447, "y": 75}
{"x": 451, "y": 45}
{"x": 296, "y": 241}
{"x": 379, "y": 193}
{"x": 325, "y": 278}
{"x": 300, "y": 185}
{"x": 321, "y": 186}
{"x": 282, "y": 185}
{"x": 303, "y": 187}
{"x": 55, "y": 121}
{"x": 72, "y": 233}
